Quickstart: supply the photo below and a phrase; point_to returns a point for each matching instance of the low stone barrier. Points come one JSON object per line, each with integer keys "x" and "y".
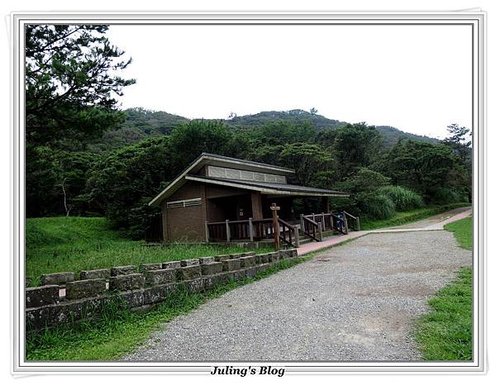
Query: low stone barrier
{"x": 63, "y": 298}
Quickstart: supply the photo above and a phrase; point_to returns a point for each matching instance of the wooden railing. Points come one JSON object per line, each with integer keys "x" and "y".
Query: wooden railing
{"x": 289, "y": 234}
{"x": 335, "y": 221}
{"x": 355, "y": 221}
{"x": 252, "y": 230}
{"x": 339, "y": 223}
{"x": 310, "y": 227}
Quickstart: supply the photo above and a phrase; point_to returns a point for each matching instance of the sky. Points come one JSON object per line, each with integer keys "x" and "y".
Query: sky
{"x": 415, "y": 78}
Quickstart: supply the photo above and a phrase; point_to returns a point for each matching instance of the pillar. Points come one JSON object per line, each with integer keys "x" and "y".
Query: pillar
{"x": 256, "y": 205}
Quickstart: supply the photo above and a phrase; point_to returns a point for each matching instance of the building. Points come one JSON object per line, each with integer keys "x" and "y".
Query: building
{"x": 215, "y": 190}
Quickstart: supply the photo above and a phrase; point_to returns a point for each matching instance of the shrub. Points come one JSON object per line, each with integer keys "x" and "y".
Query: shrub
{"x": 445, "y": 195}
{"x": 403, "y": 198}
{"x": 377, "y": 206}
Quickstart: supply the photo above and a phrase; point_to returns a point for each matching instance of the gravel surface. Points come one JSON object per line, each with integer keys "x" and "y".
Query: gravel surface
{"x": 355, "y": 302}
{"x": 433, "y": 219}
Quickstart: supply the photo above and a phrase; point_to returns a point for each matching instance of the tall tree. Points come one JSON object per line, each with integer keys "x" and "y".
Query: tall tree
{"x": 71, "y": 83}
{"x": 426, "y": 168}
{"x": 122, "y": 183}
{"x": 306, "y": 159}
{"x": 459, "y": 142}
{"x": 355, "y": 146}
{"x": 189, "y": 140}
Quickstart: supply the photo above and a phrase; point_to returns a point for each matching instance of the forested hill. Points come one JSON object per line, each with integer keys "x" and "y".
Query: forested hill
{"x": 141, "y": 123}
{"x": 294, "y": 116}
{"x": 391, "y": 135}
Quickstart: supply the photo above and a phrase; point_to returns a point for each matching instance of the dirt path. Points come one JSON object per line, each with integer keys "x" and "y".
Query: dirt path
{"x": 356, "y": 302}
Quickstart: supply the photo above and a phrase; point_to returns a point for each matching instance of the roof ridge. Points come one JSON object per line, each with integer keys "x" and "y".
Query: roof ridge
{"x": 224, "y": 157}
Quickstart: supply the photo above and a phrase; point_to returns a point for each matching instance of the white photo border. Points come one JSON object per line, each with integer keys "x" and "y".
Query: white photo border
{"x": 477, "y": 19}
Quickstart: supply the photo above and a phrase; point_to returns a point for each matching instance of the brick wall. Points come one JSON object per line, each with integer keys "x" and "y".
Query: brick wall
{"x": 63, "y": 298}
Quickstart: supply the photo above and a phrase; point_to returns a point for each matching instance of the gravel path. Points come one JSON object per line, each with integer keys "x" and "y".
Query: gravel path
{"x": 351, "y": 303}
{"x": 433, "y": 220}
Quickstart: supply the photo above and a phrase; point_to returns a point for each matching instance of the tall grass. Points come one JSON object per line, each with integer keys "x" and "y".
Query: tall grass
{"x": 75, "y": 244}
{"x": 403, "y": 198}
{"x": 378, "y": 206}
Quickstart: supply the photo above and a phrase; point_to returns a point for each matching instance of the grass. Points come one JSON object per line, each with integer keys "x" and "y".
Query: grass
{"x": 401, "y": 218}
{"x": 73, "y": 244}
{"x": 462, "y": 230}
{"x": 445, "y": 333}
{"x": 119, "y": 330}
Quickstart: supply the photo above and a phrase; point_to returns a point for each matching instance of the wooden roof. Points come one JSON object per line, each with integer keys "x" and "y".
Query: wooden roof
{"x": 240, "y": 164}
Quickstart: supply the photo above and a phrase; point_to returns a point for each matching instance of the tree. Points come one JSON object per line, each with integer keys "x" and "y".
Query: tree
{"x": 280, "y": 132}
{"x": 71, "y": 87}
{"x": 189, "y": 140}
{"x": 71, "y": 83}
{"x": 122, "y": 183}
{"x": 56, "y": 180}
{"x": 365, "y": 180}
{"x": 458, "y": 141}
{"x": 355, "y": 146}
{"x": 306, "y": 159}
{"x": 424, "y": 167}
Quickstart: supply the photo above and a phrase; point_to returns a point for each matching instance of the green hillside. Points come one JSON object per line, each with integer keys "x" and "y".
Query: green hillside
{"x": 293, "y": 116}
{"x": 140, "y": 124}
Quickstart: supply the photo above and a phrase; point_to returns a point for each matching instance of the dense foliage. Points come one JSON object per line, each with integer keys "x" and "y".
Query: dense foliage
{"x": 85, "y": 157}
{"x": 71, "y": 87}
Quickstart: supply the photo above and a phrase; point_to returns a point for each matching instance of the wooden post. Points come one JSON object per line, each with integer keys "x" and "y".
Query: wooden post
{"x": 250, "y": 228}
{"x": 358, "y": 223}
{"x": 228, "y": 231}
{"x": 320, "y": 231}
{"x": 275, "y": 225}
{"x": 332, "y": 221}
{"x": 345, "y": 223}
{"x": 256, "y": 205}
{"x": 302, "y": 224}
{"x": 207, "y": 236}
{"x": 323, "y": 222}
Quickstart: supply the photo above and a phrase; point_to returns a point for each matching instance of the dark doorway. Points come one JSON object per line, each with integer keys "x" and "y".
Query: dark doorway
{"x": 234, "y": 208}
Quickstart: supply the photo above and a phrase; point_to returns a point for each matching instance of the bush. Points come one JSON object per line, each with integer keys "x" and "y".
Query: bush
{"x": 377, "y": 206}
{"x": 403, "y": 198}
{"x": 446, "y": 196}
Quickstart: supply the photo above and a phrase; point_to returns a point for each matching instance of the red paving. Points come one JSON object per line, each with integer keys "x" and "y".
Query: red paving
{"x": 339, "y": 239}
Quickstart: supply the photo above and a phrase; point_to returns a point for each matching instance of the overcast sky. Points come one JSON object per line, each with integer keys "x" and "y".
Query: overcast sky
{"x": 415, "y": 78}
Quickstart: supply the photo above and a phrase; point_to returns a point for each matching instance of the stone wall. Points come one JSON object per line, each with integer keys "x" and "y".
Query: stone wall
{"x": 63, "y": 298}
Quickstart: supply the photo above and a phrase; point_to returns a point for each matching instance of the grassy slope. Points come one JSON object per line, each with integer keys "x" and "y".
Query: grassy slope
{"x": 74, "y": 244}
{"x": 462, "y": 230}
{"x": 445, "y": 334}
